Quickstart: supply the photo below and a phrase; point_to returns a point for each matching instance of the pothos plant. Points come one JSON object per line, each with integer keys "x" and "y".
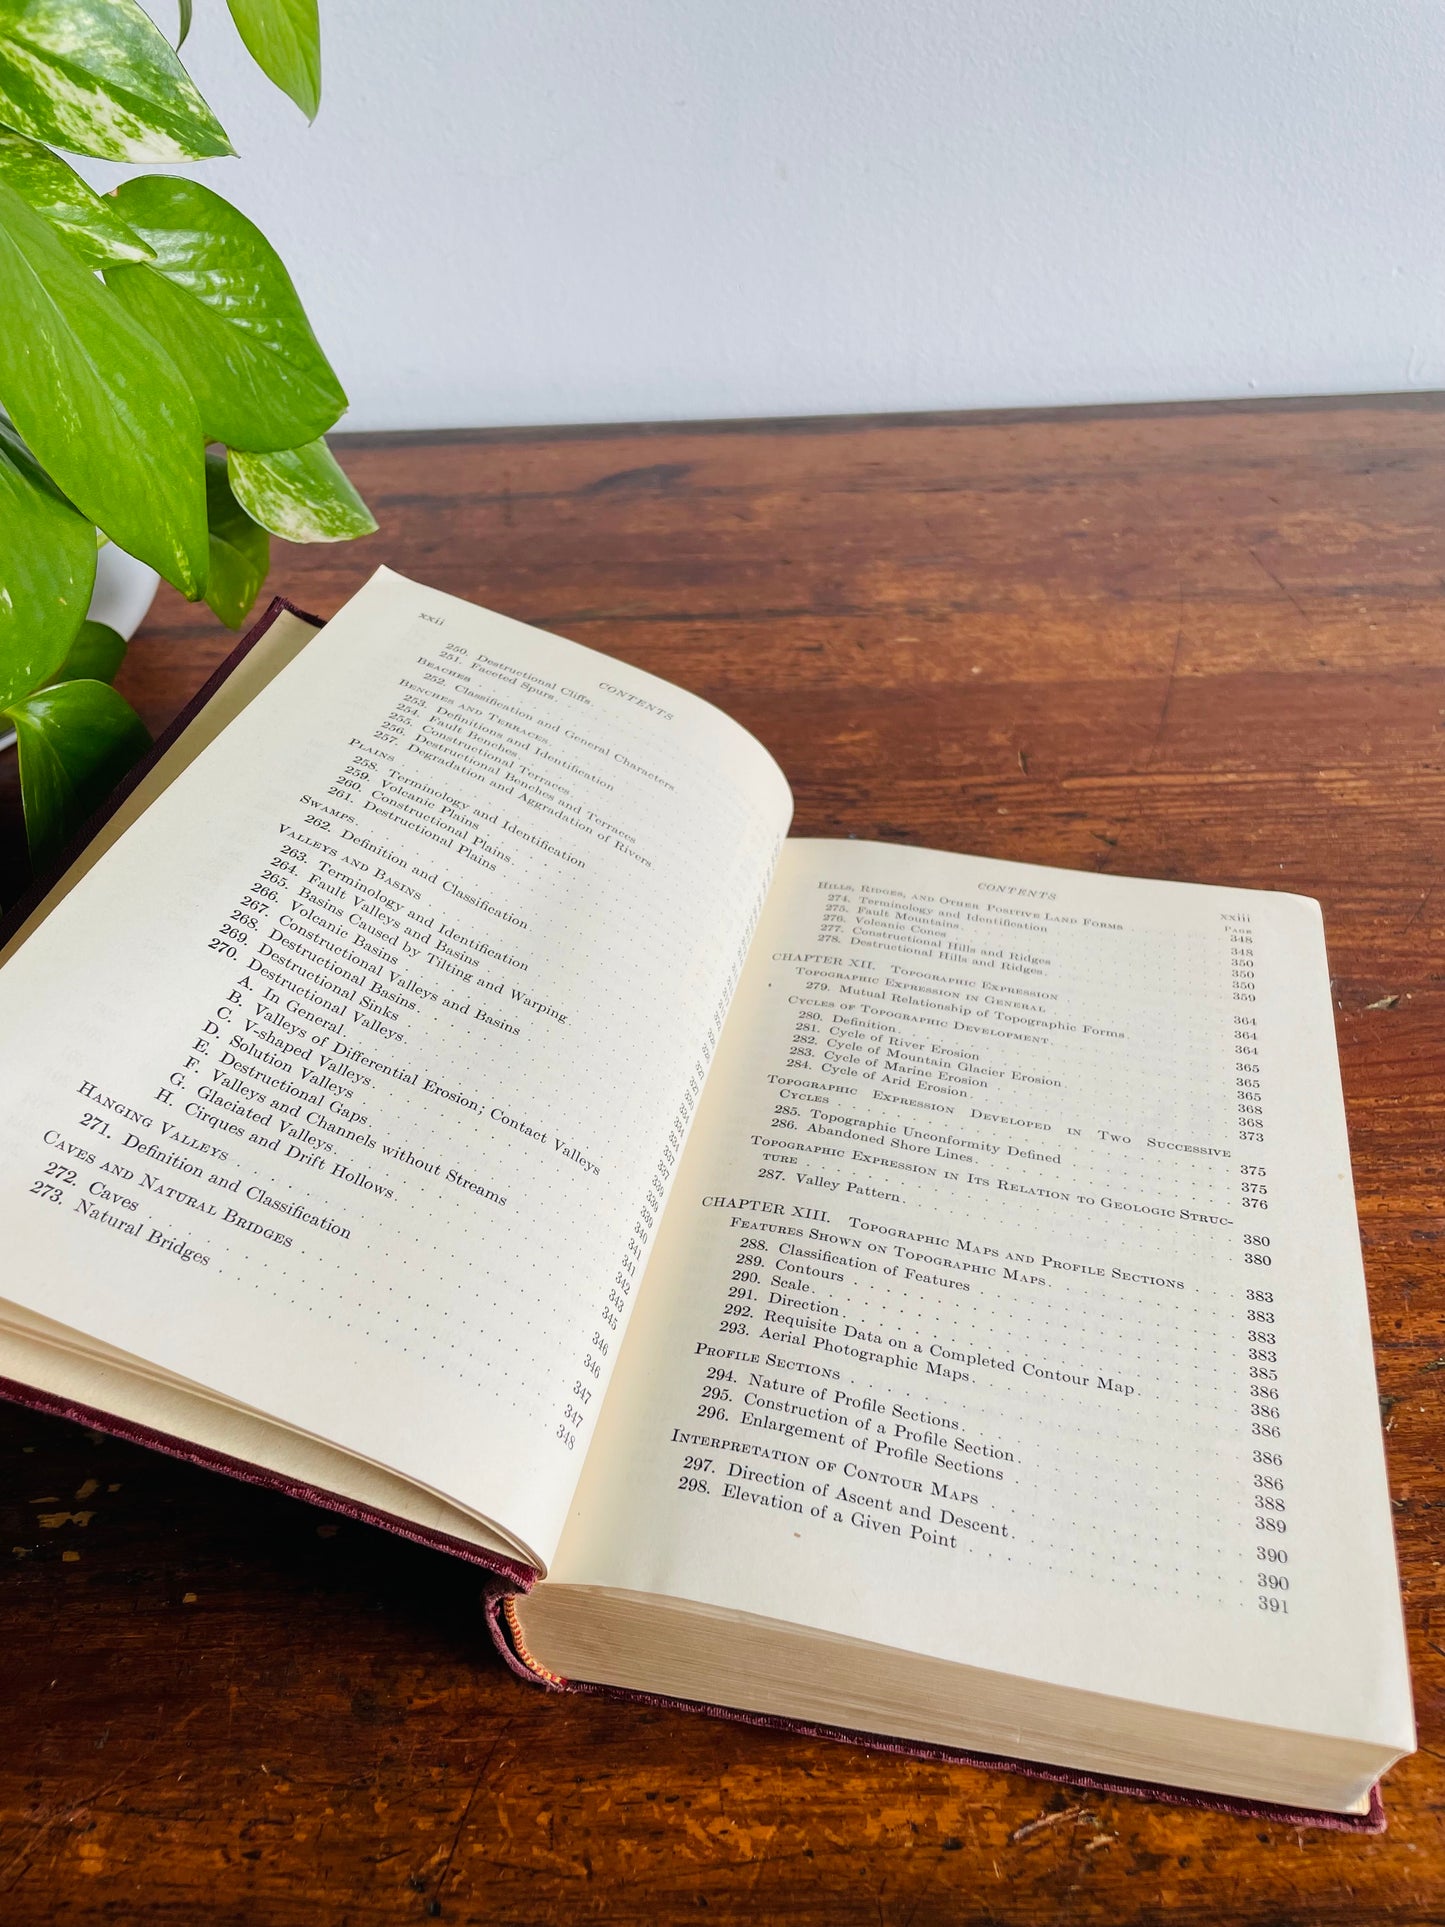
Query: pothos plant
{"x": 160, "y": 385}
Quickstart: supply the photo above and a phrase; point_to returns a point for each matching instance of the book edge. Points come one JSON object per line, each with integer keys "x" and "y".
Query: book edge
{"x": 502, "y": 1625}
{"x": 518, "y": 1576}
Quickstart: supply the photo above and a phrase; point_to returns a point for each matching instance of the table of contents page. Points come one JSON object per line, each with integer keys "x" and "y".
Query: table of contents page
{"x": 338, "y": 1085}
{"x": 1022, "y": 1279}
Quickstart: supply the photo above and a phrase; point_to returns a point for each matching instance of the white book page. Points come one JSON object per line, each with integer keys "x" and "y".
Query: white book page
{"x": 349, "y": 1082}
{"x": 1009, "y": 1305}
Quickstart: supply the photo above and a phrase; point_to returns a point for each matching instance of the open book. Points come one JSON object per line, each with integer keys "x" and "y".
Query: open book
{"x": 901, "y": 1292}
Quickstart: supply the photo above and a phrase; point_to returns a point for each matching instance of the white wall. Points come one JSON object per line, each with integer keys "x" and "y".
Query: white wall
{"x": 576, "y": 210}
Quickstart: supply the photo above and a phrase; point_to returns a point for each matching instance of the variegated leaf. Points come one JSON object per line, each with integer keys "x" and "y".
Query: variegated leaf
{"x": 218, "y": 298}
{"x": 95, "y": 655}
{"x": 98, "y": 401}
{"x": 240, "y": 549}
{"x": 87, "y": 221}
{"x": 47, "y": 571}
{"x": 76, "y": 741}
{"x": 97, "y": 77}
{"x": 283, "y": 37}
{"x": 301, "y": 494}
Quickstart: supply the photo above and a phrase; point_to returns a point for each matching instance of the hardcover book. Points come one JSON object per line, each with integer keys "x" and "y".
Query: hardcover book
{"x": 890, "y": 1292}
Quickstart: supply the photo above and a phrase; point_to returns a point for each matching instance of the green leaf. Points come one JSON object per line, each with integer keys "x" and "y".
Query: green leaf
{"x": 301, "y": 494}
{"x": 53, "y": 188}
{"x": 76, "y": 741}
{"x": 94, "y": 656}
{"x": 283, "y": 37}
{"x": 219, "y": 300}
{"x": 96, "y": 77}
{"x": 183, "y": 8}
{"x": 47, "y": 571}
{"x": 98, "y": 400}
{"x": 240, "y": 549}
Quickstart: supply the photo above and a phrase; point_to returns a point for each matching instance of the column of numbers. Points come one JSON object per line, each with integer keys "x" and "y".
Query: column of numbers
{"x": 1268, "y": 1488}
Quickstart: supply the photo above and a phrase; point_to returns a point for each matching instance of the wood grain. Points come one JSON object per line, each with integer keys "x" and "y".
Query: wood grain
{"x": 1196, "y": 641}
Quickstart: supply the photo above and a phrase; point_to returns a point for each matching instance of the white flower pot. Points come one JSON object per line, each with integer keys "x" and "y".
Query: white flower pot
{"x": 124, "y": 590}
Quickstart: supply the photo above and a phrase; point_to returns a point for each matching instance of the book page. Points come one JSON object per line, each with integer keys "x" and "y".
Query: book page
{"x": 1009, "y": 1306}
{"x": 349, "y": 1082}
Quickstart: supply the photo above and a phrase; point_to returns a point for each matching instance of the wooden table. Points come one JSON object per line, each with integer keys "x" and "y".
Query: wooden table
{"x": 1182, "y": 642}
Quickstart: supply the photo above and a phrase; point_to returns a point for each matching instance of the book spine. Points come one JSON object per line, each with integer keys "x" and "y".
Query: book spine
{"x": 501, "y": 1609}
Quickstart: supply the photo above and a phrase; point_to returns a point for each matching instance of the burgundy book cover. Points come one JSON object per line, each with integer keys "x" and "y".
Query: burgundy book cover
{"x": 507, "y": 1577}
